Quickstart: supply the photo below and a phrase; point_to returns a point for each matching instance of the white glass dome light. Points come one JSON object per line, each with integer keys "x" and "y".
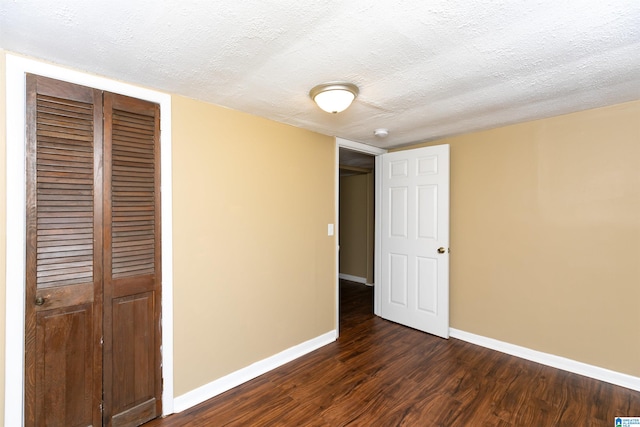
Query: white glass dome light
{"x": 334, "y": 97}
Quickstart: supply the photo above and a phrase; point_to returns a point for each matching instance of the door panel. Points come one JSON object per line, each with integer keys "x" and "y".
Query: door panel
{"x": 132, "y": 260}
{"x": 133, "y": 379}
{"x": 414, "y": 279}
{"x": 398, "y": 278}
{"x": 63, "y": 316}
{"x": 64, "y": 367}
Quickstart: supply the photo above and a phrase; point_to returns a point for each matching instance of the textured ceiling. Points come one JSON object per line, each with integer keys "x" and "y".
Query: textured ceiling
{"x": 425, "y": 69}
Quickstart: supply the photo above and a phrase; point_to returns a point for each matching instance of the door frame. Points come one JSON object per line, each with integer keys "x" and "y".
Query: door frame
{"x": 16, "y": 67}
{"x": 374, "y": 151}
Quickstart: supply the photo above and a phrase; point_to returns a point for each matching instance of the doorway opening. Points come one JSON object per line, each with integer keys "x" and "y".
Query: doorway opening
{"x": 356, "y": 219}
{"x": 356, "y": 216}
{"x": 411, "y": 236}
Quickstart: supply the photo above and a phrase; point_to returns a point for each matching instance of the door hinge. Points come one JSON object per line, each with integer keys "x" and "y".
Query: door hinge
{"x": 101, "y": 407}
{"x": 101, "y": 340}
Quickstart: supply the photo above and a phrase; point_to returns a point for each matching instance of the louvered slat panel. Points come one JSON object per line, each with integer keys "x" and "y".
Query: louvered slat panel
{"x": 133, "y": 194}
{"x": 64, "y": 162}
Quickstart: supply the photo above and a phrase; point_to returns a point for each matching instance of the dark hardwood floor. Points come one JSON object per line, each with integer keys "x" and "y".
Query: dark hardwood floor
{"x": 382, "y": 374}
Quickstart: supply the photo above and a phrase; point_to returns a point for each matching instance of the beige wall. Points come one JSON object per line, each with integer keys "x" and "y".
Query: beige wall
{"x": 254, "y": 269}
{"x": 353, "y": 225}
{"x": 545, "y": 235}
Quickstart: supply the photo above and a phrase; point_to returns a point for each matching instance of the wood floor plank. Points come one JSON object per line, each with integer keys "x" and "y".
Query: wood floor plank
{"x": 382, "y": 374}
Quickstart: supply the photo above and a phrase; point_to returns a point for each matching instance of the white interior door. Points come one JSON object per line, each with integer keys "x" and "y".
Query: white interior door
{"x": 412, "y": 283}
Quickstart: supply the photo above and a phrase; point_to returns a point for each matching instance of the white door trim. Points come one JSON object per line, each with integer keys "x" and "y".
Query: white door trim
{"x": 377, "y": 253}
{"x": 361, "y": 148}
{"x": 16, "y": 67}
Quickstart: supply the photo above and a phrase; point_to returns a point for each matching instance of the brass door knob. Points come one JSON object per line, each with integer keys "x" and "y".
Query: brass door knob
{"x": 441, "y": 250}
{"x": 39, "y": 301}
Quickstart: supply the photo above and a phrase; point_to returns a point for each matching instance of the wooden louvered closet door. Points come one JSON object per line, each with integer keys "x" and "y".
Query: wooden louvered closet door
{"x": 132, "y": 260}
{"x": 92, "y": 318}
{"x": 63, "y": 324}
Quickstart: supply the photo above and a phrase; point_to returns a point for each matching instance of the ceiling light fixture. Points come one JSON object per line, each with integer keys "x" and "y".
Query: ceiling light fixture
{"x": 381, "y": 133}
{"x": 334, "y": 97}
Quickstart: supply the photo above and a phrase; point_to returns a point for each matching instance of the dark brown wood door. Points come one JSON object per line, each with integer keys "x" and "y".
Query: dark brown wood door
{"x": 92, "y": 232}
{"x": 132, "y": 260}
{"x": 63, "y": 364}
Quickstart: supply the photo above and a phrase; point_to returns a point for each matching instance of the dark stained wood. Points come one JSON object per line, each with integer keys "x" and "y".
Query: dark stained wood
{"x": 382, "y": 374}
{"x": 93, "y": 257}
{"x": 64, "y": 369}
{"x": 132, "y": 363}
{"x": 63, "y": 354}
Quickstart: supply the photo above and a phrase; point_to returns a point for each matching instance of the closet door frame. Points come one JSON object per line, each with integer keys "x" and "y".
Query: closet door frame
{"x": 16, "y": 70}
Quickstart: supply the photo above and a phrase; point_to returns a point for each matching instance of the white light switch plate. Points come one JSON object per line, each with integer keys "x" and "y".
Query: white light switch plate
{"x": 330, "y": 230}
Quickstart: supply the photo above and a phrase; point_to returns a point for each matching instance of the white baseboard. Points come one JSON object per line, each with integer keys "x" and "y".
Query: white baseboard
{"x": 554, "y": 361}
{"x": 356, "y": 279}
{"x": 214, "y": 388}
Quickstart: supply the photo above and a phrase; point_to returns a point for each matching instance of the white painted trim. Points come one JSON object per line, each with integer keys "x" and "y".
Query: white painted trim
{"x": 16, "y": 67}
{"x": 547, "y": 359}
{"x": 351, "y": 278}
{"x": 377, "y": 256}
{"x": 336, "y": 216}
{"x": 360, "y": 147}
{"x": 214, "y": 388}
{"x": 15, "y": 244}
